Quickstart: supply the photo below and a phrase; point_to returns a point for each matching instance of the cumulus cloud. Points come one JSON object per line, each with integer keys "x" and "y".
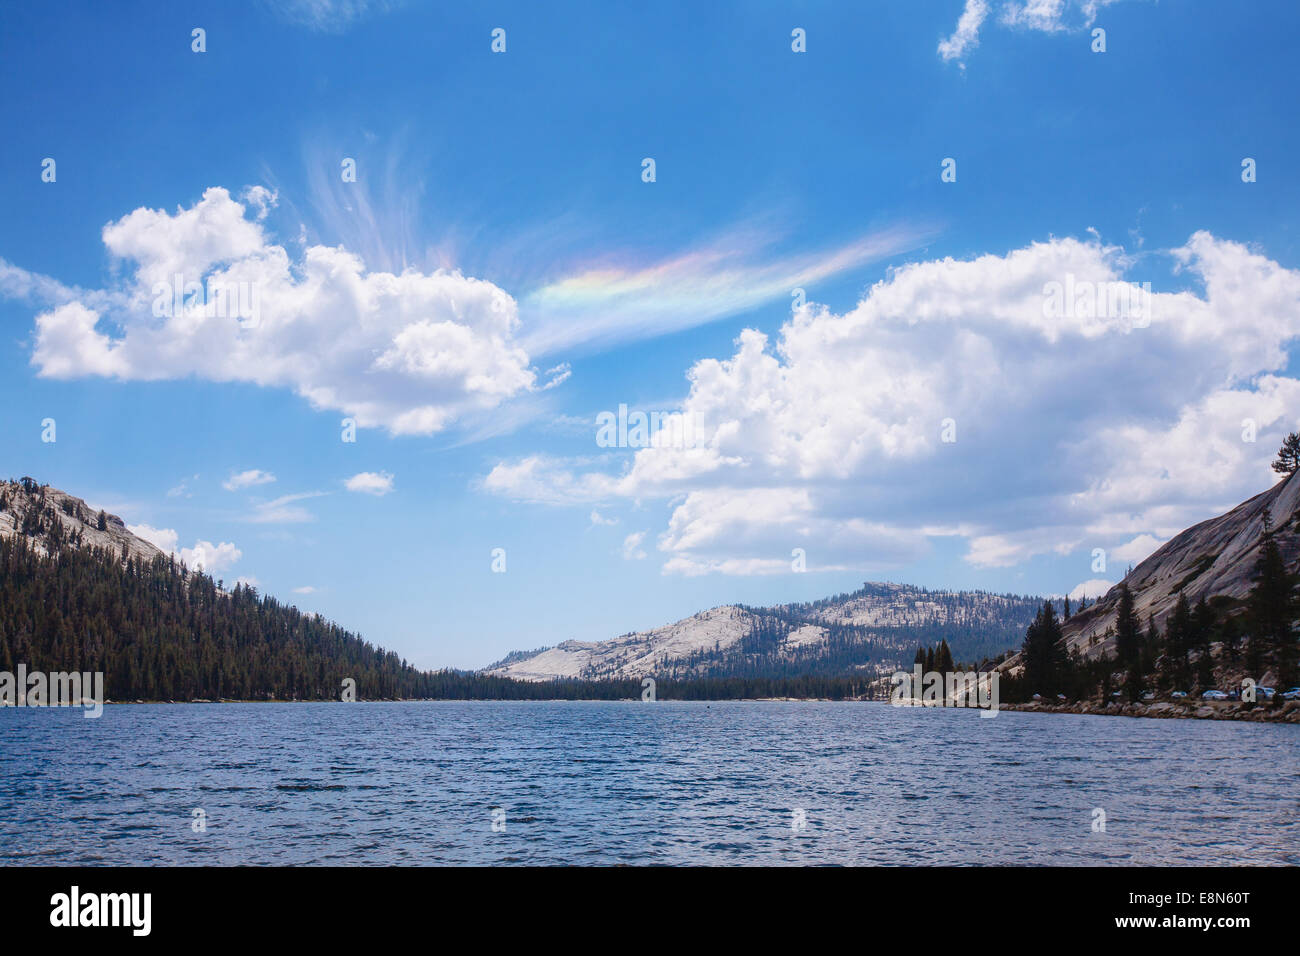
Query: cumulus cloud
{"x": 370, "y": 483}
{"x": 164, "y": 539}
{"x": 1091, "y": 589}
{"x": 248, "y": 479}
{"x": 755, "y": 530}
{"x": 545, "y": 480}
{"x": 1137, "y": 550}
{"x": 205, "y": 556}
{"x": 411, "y": 352}
{"x": 966, "y": 399}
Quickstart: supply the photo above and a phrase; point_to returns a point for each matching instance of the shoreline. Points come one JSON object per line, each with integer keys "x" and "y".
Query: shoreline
{"x": 1287, "y": 713}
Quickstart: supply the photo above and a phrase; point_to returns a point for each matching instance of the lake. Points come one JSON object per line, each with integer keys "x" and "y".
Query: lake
{"x": 639, "y": 783}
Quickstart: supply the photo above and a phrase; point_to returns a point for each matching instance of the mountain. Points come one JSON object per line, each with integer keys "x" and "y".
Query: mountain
{"x": 78, "y": 591}
{"x": 870, "y": 631}
{"x": 1215, "y": 559}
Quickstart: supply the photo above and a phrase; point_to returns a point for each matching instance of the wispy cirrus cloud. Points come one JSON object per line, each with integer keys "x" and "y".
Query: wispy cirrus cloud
{"x": 967, "y": 34}
{"x": 616, "y": 302}
{"x": 248, "y": 479}
{"x": 1040, "y": 16}
{"x": 284, "y": 510}
{"x": 632, "y": 550}
{"x": 330, "y": 16}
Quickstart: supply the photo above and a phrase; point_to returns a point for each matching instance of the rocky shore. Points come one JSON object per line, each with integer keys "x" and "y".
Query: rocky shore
{"x": 1285, "y": 713}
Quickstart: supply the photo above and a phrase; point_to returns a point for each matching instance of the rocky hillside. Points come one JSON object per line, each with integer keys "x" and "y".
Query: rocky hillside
{"x": 870, "y": 631}
{"x": 46, "y": 514}
{"x": 1215, "y": 558}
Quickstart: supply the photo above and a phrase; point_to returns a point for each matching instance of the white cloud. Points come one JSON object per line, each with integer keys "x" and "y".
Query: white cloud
{"x": 557, "y": 375}
{"x": 598, "y": 519}
{"x": 1075, "y": 431}
{"x": 1091, "y": 589}
{"x": 1137, "y": 550}
{"x": 1041, "y": 16}
{"x": 248, "y": 479}
{"x": 370, "y": 483}
{"x": 206, "y": 556}
{"x": 284, "y": 510}
{"x": 411, "y": 352}
{"x": 755, "y": 531}
{"x": 545, "y": 480}
{"x": 330, "y": 16}
{"x": 211, "y": 558}
{"x": 305, "y": 589}
{"x": 164, "y": 539}
{"x": 182, "y": 488}
{"x": 261, "y": 199}
{"x": 632, "y": 550}
{"x": 966, "y": 36}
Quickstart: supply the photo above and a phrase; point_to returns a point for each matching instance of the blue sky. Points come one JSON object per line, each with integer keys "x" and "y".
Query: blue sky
{"x": 500, "y": 273}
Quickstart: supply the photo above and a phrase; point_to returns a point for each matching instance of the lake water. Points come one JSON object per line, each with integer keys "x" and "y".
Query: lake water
{"x": 637, "y": 783}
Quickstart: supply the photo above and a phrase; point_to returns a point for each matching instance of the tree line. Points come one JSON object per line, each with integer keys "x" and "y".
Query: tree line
{"x": 161, "y": 631}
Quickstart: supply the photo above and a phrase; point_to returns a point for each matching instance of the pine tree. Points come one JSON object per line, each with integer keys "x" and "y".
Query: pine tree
{"x": 1044, "y": 656}
{"x": 1200, "y": 637}
{"x": 1150, "y": 646}
{"x": 1128, "y": 628}
{"x": 1288, "y": 456}
{"x": 943, "y": 662}
{"x": 1273, "y": 608}
{"x": 1178, "y": 636}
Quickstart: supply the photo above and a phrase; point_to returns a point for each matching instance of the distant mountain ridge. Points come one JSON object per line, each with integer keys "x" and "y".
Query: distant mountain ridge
{"x": 873, "y": 630}
{"x": 876, "y": 629}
